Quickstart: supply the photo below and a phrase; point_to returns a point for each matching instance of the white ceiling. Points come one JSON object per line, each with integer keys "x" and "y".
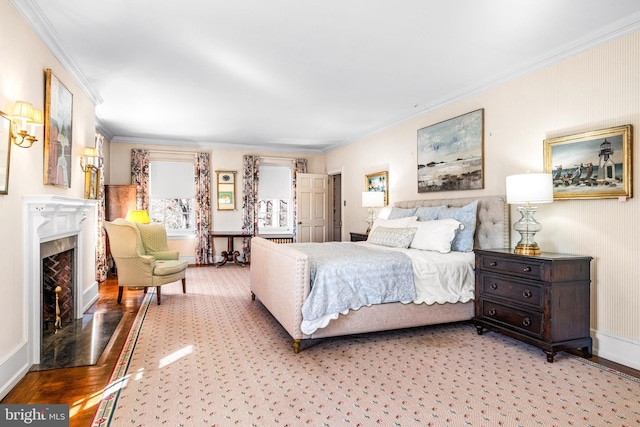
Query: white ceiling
{"x": 302, "y": 75}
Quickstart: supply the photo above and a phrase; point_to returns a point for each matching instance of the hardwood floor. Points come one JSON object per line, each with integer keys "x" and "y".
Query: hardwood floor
{"x": 82, "y": 387}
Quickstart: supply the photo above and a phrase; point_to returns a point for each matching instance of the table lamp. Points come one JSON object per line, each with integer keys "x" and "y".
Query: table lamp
{"x": 139, "y": 216}
{"x": 372, "y": 200}
{"x": 527, "y": 190}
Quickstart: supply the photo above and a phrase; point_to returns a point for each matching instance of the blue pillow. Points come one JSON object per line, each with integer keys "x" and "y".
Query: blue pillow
{"x": 401, "y": 213}
{"x": 463, "y": 241}
{"x": 428, "y": 213}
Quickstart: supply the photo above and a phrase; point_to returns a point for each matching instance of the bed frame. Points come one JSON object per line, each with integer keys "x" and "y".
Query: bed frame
{"x": 279, "y": 278}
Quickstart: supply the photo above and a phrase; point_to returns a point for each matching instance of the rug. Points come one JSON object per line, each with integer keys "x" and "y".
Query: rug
{"x": 214, "y": 357}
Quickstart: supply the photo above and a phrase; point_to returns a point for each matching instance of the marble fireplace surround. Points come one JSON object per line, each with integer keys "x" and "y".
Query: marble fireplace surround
{"x": 47, "y": 218}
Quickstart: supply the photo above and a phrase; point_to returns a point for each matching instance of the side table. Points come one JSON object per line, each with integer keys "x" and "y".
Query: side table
{"x": 230, "y": 254}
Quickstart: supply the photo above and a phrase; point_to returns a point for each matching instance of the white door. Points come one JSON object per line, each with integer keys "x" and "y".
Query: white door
{"x": 312, "y": 201}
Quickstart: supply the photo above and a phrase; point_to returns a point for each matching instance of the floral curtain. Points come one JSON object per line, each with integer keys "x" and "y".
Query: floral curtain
{"x": 140, "y": 176}
{"x": 299, "y": 166}
{"x": 204, "y": 251}
{"x": 101, "y": 244}
{"x": 250, "y": 172}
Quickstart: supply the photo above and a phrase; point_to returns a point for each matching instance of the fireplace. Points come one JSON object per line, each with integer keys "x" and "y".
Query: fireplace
{"x": 58, "y": 283}
{"x": 53, "y": 235}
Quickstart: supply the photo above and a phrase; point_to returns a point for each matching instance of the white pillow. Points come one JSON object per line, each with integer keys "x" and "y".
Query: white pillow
{"x": 435, "y": 235}
{"x": 393, "y": 223}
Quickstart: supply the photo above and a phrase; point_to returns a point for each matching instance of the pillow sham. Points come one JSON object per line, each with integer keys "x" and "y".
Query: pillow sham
{"x": 463, "y": 241}
{"x": 392, "y": 237}
{"x": 392, "y": 223}
{"x": 435, "y": 235}
{"x": 428, "y": 213}
{"x": 401, "y": 212}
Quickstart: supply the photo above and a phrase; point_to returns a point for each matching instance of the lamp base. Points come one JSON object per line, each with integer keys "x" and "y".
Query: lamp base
{"x": 527, "y": 227}
{"x": 522, "y": 249}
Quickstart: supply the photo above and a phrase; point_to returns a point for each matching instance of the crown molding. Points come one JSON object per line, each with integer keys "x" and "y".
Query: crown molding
{"x": 32, "y": 14}
{"x": 611, "y": 32}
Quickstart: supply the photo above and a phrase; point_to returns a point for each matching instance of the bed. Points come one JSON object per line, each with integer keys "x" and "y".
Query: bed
{"x": 280, "y": 280}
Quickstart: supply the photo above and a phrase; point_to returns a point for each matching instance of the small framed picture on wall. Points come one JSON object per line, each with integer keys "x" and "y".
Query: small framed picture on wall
{"x": 226, "y": 183}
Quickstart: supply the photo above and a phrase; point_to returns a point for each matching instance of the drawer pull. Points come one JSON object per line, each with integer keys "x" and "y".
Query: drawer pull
{"x": 526, "y": 322}
{"x": 526, "y": 293}
{"x": 494, "y": 286}
{"x": 526, "y": 269}
{"x": 492, "y": 312}
{"x": 493, "y": 263}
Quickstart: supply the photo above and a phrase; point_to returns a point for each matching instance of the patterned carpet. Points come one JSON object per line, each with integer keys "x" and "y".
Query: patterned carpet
{"x": 213, "y": 357}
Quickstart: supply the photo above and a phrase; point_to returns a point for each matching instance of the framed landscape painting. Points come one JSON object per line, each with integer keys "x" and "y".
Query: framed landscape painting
{"x": 591, "y": 165}
{"x": 58, "y": 112}
{"x": 450, "y": 154}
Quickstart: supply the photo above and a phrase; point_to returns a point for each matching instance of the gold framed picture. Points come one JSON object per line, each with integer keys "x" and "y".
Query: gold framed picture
{"x": 591, "y": 165}
{"x": 58, "y": 112}
{"x": 378, "y": 182}
{"x": 226, "y": 190}
{"x": 5, "y": 152}
{"x": 91, "y": 183}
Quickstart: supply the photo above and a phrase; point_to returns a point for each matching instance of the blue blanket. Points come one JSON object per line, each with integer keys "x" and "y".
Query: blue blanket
{"x": 346, "y": 276}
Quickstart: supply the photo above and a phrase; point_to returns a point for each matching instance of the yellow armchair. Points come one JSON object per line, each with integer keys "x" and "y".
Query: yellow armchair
{"x": 139, "y": 267}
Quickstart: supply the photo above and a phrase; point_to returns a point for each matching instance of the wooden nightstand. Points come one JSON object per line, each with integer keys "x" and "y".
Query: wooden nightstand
{"x": 358, "y": 237}
{"x": 541, "y": 300}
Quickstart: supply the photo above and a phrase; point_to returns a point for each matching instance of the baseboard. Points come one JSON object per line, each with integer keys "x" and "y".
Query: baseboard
{"x": 619, "y": 350}
{"x": 190, "y": 259}
{"x": 13, "y": 368}
{"x": 89, "y": 296}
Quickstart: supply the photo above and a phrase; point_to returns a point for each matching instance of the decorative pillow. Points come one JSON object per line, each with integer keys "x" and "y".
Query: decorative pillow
{"x": 435, "y": 235}
{"x": 392, "y": 223}
{"x": 428, "y": 213}
{"x": 467, "y": 216}
{"x": 401, "y": 213}
{"x": 392, "y": 237}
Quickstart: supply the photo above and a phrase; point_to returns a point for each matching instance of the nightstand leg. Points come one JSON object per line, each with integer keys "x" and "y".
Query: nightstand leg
{"x": 479, "y": 329}
{"x": 550, "y": 356}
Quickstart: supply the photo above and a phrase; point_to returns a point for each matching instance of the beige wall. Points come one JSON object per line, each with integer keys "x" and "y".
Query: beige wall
{"x": 597, "y": 89}
{"x": 24, "y": 59}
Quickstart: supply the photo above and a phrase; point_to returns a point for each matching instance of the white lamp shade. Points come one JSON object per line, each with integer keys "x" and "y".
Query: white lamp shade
{"x": 372, "y": 199}
{"x": 530, "y": 188}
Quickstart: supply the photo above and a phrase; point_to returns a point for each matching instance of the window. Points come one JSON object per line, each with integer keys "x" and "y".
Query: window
{"x": 172, "y": 196}
{"x": 275, "y": 214}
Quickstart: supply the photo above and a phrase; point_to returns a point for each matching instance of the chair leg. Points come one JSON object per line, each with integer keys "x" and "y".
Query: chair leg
{"x": 158, "y": 293}
{"x": 119, "y": 294}
{"x": 184, "y": 285}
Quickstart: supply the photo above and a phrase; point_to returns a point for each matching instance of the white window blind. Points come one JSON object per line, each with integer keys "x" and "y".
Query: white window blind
{"x": 275, "y": 182}
{"x": 171, "y": 180}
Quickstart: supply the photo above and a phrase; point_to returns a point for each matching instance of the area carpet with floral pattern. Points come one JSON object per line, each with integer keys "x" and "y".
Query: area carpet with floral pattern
{"x": 214, "y": 357}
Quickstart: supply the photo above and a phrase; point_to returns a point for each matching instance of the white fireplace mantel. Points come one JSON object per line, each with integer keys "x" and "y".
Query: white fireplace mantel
{"x": 46, "y": 218}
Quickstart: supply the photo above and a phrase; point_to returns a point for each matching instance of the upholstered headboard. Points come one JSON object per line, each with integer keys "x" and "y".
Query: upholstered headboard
{"x": 492, "y": 226}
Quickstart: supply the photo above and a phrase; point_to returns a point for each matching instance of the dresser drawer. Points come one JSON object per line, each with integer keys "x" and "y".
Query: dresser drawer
{"x": 529, "y": 269}
{"x": 506, "y": 287}
{"x": 525, "y": 321}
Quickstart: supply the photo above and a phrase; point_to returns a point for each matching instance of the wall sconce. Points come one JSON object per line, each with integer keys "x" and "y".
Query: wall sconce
{"x": 89, "y": 159}
{"x": 25, "y": 114}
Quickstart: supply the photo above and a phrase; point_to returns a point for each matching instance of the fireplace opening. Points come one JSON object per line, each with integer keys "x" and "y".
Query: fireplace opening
{"x": 57, "y": 295}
